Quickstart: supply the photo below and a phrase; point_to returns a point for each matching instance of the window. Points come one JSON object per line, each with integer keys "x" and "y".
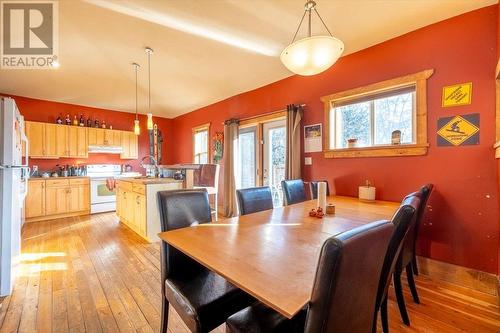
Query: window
{"x": 200, "y": 144}
{"x": 360, "y": 122}
{"x": 372, "y": 120}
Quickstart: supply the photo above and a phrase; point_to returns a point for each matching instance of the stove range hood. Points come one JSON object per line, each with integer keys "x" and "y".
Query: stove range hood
{"x": 106, "y": 149}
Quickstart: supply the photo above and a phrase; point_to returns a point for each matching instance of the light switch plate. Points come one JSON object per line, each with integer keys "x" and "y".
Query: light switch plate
{"x": 308, "y": 161}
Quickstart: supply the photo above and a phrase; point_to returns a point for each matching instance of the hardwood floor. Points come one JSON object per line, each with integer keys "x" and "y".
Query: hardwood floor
{"x": 92, "y": 274}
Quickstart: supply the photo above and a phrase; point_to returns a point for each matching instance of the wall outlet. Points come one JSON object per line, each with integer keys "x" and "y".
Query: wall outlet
{"x": 308, "y": 161}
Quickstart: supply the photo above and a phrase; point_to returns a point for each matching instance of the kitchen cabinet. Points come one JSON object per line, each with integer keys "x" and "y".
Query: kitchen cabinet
{"x": 129, "y": 145}
{"x": 60, "y": 197}
{"x": 77, "y": 142}
{"x": 35, "y": 201}
{"x": 42, "y": 139}
{"x": 54, "y": 141}
{"x": 50, "y": 141}
{"x": 71, "y": 141}
{"x": 137, "y": 205}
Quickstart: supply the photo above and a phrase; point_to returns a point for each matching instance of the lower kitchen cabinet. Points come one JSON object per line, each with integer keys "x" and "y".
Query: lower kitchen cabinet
{"x": 35, "y": 201}
{"x": 54, "y": 198}
{"x": 137, "y": 205}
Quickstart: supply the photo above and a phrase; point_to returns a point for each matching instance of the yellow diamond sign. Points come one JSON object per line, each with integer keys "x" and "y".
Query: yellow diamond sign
{"x": 457, "y": 130}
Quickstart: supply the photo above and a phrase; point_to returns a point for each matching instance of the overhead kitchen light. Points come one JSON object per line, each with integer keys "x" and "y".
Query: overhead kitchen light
{"x": 137, "y": 128}
{"x": 313, "y": 54}
{"x": 149, "y": 52}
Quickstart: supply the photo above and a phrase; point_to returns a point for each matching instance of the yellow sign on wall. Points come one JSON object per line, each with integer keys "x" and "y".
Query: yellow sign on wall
{"x": 458, "y": 94}
{"x": 456, "y": 130}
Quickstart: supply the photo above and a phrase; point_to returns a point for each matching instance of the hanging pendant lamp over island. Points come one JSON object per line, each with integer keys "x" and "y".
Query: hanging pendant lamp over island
{"x": 137, "y": 128}
{"x": 313, "y": 54}
{"x": 150, "y": 125}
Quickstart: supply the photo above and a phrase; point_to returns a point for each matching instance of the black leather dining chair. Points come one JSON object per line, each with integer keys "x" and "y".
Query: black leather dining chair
{"x": 202, "y": 298}
{"x": 313, "y": 188}
{"x": 293, "y": 191}
{"x": 344, "y": 291}
{"x": 403, "y": 221}
{"x": 407, "y": 258}
{"x": 255, "y": 199}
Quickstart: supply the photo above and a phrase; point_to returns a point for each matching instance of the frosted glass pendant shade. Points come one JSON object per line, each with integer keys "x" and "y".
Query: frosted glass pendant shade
{"x": 312, "y": 55}
{"x": 150, "y": 121}
{"x": 137, "y": 128}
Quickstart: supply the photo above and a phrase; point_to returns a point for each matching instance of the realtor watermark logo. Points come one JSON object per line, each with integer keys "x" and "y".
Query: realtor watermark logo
{"x": 29, "y": 34}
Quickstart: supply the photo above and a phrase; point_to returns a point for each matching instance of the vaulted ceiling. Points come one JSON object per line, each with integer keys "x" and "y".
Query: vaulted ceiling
{"x": 204, "y": 50}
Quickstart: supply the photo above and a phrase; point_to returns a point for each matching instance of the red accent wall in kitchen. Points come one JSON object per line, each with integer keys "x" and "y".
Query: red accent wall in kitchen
{"x": 462, "y": 224}
{"x": 47, "y": 111}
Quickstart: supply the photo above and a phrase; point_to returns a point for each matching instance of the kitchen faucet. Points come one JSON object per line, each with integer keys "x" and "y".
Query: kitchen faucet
{"x": 148, "y": 166}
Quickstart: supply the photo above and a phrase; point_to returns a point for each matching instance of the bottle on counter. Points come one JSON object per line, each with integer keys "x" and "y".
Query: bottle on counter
{"x": 59, "y": 120}
{"x": 103, "y": 124}
{"x": 82, "y": 121}
{"x": 89, "y": 122}
{"x": 75, "y": 121}
{"x": 68, "y": 120}
{"x": 96, "y": 123}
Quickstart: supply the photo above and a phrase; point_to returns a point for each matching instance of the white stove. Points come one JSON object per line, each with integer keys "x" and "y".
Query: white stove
{"x": 102, "y": 199}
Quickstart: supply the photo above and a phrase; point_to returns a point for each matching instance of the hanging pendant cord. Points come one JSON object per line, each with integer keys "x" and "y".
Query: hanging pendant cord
{"x": 149, "y": 82}
{"x": 298, "y": 28}
{"x": 135, "y": 92}
{"x": 323, "y": 22}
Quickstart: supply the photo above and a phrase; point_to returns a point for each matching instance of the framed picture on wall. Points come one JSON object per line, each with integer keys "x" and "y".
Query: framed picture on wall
{"x": 313, "y": 138}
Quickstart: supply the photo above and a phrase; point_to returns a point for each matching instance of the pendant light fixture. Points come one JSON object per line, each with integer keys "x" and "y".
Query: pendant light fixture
{"x": 137, "y": 128}
{"x": 313, "y": 54}
{"x": 149, "y": 52}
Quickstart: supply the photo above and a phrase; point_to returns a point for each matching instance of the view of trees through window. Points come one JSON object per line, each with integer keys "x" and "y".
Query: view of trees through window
{"x": 372, "y": 122}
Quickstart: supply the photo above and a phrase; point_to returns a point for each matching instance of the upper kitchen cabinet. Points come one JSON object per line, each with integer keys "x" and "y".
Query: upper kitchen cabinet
{"x": 77, "y": 142}
{"x": 129, "y": 145}
{"x": 42, "y": 139}
{"x": 54, "y": 141}
{"x": 104, "y": 137}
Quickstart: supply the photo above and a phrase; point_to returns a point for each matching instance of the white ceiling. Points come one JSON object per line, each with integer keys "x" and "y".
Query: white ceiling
{"x": 202, "y": 49}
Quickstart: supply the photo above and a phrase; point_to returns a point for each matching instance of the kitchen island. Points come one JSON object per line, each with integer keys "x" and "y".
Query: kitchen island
{"x": 137, "y": 204}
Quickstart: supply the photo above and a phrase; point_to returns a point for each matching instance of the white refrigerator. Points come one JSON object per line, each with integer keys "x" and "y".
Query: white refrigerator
{"x": 14, "y": 173}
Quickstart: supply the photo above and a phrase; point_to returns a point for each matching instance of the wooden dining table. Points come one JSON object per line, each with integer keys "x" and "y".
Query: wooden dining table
{"x": 273, "y": 254}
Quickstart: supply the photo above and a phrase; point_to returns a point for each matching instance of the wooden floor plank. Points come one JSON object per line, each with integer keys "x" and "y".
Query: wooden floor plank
{"x": 92, "y": 274}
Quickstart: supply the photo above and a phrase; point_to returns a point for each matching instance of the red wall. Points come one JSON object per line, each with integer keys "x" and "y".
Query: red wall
{"x": 462, "y": 227}
{"x": 46, "y": 111}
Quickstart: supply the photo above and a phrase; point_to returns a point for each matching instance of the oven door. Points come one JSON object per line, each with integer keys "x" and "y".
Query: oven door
{"x": 99, "y": 192}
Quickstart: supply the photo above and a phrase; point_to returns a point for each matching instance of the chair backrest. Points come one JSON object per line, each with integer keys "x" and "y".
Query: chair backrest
{"x": 181, "y": 209}
{"x": 313, "y": 188}
{"x": 207, "y": 175}
{"x": 255, "y": 199}
{"x": 293, "y": 191}
{"x": 403, "y": 221}
{"x": 409, "y": 246}
{"x": 347, "y": 279}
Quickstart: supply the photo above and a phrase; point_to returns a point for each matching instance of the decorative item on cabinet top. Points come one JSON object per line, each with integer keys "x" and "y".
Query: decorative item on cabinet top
{"x": 52, "y": 141}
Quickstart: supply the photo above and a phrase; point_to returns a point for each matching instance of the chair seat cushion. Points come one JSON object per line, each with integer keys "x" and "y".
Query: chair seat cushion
{"x": 258, "y": 318}
{"x": 206, "y": 299}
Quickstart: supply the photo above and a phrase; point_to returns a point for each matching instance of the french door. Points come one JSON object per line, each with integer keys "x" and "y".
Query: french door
{"x": 261, "y": 162}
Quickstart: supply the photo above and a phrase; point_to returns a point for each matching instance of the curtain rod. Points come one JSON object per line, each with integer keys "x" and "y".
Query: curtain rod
{"x": 265, "y": 114}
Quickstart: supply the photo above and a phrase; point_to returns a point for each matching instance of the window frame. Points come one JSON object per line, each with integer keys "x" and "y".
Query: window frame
{"x": 420, "y": 145}
{"x": 198, "y": 129}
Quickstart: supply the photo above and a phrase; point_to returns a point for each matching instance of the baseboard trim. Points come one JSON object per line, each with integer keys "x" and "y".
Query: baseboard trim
{"x": 466, "y": 277}
{"x": 58, "y": 216}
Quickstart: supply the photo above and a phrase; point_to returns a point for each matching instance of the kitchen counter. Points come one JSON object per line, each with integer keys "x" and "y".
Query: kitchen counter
{"x": 150, "y": 181}
{"x": 49, "y": 178}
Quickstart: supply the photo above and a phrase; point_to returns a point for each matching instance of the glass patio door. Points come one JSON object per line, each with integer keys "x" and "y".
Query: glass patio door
{"x": 247, "y": 163}
{"x": 274, "y": 149}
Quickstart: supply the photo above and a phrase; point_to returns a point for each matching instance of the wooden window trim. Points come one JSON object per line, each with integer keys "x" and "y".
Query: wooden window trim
{"x": 419, "y": 148}
{"x": 201, "y": 128}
